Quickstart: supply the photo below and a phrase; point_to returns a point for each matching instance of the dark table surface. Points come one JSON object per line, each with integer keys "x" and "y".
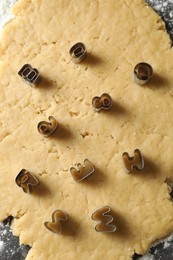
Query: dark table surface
{"x": 9, "y": 244}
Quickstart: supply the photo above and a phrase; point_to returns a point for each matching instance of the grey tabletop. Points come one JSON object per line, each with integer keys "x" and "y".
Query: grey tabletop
{"x": 163, "y": 250}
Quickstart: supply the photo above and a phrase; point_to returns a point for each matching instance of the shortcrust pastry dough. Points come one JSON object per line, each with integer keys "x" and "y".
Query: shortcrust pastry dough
{"x": 117, "y": 35}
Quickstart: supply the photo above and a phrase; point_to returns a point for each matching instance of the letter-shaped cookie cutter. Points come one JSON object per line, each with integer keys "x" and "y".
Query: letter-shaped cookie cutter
{"x": 143, "y": 72}
{"x": 47, "y": 129}
{"x": 103, "y": 102}
{"x": 105, "y": 220}
{"x": 29, "y": 74}
{"x": 133, "y": 163}
{"x": 55, "y": 225}
{"x": 78, "y": 52}
{"x": 82, "y": 172}
{"x": 26, "y": 180}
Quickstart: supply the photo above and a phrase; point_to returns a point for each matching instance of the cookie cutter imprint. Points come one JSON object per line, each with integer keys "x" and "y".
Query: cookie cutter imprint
{"x": 143, "y": 72}
{"x": 105, "y": 220}
{"x": 29, "y": 74}
{"x": 55, "y": 226}
{"x": 82, "y": 172}
{"x": 78, "y": 52}
{"x": 26, "y": 181}
{"x": 135, "y": 162}
{"x": 103, "y": 102}
{"x": 47, "y": 129}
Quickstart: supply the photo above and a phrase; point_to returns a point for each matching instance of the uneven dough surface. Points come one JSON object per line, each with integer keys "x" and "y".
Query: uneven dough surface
{"x": 117, "y": 35}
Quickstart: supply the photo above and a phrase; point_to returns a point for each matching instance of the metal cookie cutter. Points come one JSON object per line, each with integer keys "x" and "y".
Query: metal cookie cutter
{"x": 82, "y": 172}
{"x": 26, "y": 181}
{"x": 31, "y": 75}
{"x": 55, "y": 225}
{"x": 143, "y": 72}
{"x": 78, "y": 52}
{"x": 47, "y": 129}
{"x": 104, "y": 102}
{"x": 133, "y": 163}
{"x": 105, "y": 220}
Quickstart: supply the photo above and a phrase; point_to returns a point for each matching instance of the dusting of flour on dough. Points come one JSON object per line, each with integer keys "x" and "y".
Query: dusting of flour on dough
{"x": 159, "y": 247}
{"x": 147, "y": 257}
{"x": 5, "y": 14}
{"x": 165, "y": 9}
{"x": 9, "y": 244}
{"x": 137, "y": 205}
{"x": 1, "y": 245}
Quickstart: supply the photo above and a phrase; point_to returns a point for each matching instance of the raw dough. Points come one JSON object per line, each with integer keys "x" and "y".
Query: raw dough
{"x": 117, "y": 35}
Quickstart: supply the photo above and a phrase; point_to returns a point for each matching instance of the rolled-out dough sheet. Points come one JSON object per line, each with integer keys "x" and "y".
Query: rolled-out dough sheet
{"x": 117, "y": 35}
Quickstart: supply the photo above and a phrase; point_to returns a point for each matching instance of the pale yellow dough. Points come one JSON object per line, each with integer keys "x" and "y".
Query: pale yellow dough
{"x": 117, "y": 35}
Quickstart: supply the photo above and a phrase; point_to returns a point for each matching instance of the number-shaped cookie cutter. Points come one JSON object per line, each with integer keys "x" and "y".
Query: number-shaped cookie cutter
{"x": 47, "y": 129}
{"x": 103, "y": 102}
{"x": 78, "y": 52}
{"x": 143, "y": 72}
{"x": 29, "y": 74}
